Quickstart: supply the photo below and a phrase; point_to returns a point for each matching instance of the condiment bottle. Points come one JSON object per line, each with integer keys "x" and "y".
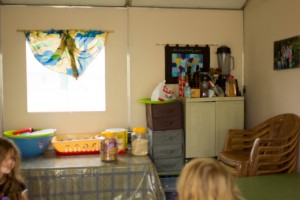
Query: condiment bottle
{"x": 139, "y": 142}
{"x": 187, "y": 90}
{"x": 181, "y": 85}
{"x": 230, "y": 87}
{"x": 108, "y": 146}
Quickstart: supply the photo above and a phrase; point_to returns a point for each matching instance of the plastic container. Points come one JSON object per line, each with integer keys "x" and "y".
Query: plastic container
{"x": 230, "y": 87}
{"x": 108, "y": 146}
{"x": 121, "y": 135}
{"x": 187, "y": 90}
{"x": 31, "y": 145}
{"x": 139, "y": 142}
{"x": 76, "y": 144}
{"x": 217, "y": 89}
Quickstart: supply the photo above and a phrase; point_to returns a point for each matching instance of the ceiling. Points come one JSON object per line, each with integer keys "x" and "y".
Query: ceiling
{"x": 190, "y": 4}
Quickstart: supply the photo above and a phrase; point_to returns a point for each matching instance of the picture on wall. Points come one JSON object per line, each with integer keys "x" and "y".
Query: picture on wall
{"x": 185, "y": 60}
{"x": 287, "y": 53}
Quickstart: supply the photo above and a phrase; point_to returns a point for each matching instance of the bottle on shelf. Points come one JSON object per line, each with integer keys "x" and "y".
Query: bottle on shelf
{"x": 230, "y": 86}
{"x": 181, "y": 84}
{"x": 195, "y": 88}
{"x": 187, "y": 90}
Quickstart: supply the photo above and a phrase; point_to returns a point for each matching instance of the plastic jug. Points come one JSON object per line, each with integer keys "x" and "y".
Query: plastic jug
{"x": 230, "y": 87}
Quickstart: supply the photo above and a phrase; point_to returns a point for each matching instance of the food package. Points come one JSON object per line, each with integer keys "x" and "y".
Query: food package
{"x": 162, "y": 93}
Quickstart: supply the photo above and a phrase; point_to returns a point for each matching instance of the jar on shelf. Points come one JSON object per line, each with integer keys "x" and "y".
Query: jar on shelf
{"x": 230, "y": 85}
{"x": 108, "y": 146}
{"x": 139, "y": 141}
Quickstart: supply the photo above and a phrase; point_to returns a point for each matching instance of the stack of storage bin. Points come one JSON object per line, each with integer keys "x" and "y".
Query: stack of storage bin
{"x": 166, "y": 136}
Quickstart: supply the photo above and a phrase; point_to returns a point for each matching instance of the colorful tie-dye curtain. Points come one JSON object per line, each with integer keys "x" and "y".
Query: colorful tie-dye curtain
{"x": 66, "y": 51}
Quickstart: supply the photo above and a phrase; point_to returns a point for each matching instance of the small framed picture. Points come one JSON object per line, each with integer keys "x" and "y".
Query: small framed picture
{"x": 287, "y": 53}
{"x": 186, "y": 60}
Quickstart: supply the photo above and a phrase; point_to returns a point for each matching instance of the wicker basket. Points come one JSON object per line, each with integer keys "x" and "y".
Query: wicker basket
{"x": 76, "y": 144}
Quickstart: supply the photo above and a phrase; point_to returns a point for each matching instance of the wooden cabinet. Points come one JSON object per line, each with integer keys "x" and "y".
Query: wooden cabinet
{"x": 207, "y": 121}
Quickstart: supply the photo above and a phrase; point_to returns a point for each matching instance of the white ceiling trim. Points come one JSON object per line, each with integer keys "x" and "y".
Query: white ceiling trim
{"x": 202, "y": 4}
{"x": 104, "y": 3}
{"x": 195, "y": 4}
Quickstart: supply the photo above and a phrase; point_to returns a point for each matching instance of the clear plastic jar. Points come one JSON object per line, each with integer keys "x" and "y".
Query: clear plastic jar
{"x": 230, "y": 86}
{"x": 108, "y": 146}
{"x": 139, "y": 142}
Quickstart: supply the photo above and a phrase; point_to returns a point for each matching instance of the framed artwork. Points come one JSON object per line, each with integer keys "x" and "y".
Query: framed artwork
{"x": 185, "y": 60}
{"x": 287, "y": 53}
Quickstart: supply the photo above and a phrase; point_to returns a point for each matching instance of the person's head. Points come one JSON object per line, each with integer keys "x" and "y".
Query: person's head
{"x": 205, "y": 179}
{"x": 9, "y": 158}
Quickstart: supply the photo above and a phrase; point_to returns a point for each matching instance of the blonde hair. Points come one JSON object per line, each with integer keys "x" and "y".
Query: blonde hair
{"x": 206, "y": 179}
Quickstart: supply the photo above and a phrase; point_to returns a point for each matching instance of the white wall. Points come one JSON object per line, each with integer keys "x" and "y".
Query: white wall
{"x": 269, "y": 92}
{"x": 136, "y": 32}
{"x": 43, "y": 18}
{"x": 149, "y": 27}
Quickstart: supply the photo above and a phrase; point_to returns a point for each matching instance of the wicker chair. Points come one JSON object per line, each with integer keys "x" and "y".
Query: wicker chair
{"x": 269, "y": 148}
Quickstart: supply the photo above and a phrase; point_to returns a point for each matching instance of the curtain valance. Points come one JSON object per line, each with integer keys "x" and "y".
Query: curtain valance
{"x": 66, "y": 51}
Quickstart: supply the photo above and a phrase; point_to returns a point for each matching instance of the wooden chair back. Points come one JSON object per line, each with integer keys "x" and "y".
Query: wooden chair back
{"x": 269, "y": 148}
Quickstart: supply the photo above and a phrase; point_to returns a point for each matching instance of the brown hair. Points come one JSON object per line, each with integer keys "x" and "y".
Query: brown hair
{"x": 11, "y": 186}
{"x": 206, "y": 179}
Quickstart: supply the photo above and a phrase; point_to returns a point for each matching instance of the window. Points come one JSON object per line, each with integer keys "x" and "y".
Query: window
{"x": 49, "y": 91}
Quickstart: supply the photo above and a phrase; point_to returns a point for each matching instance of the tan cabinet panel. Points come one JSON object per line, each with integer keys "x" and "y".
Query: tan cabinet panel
{"x": 229, "y": 115}
{"x": 207, "y": 121}
{"x": 200, "y": 126}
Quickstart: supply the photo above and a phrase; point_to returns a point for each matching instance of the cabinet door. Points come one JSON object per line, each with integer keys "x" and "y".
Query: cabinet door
{"x": 200, "y": 129}
{"x": 229, "y": 115}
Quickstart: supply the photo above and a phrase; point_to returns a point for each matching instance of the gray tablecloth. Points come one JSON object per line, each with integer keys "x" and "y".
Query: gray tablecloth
{"x": 86, "y": 177}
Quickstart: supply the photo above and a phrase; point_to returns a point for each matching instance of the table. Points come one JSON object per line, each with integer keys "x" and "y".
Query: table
{"x": 86, "y": 177}
{"x": 270, "y": 187}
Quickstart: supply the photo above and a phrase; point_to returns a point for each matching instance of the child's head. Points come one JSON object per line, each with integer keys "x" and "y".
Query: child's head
{"x": 205, "y": 179}
{"x": 9, "y": 157}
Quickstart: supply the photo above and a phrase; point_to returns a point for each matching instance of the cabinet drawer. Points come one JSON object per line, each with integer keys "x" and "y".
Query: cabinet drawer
{"x": 168, "y": 165}
{"x": 165, "y": 123}
{"x": 167, "y": 151}
{"x": 175, "y": 136}
{"x": 164, "y": 110}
